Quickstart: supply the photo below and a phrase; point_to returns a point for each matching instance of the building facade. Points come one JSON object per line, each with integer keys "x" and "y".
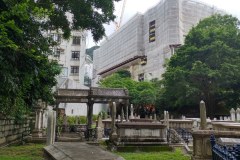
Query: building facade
{"x": 70, "y": 54}
{"x": 146, "y": 41}
{"x": 75, "y": 64}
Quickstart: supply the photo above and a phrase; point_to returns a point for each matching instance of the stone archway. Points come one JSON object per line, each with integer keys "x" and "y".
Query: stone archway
{"x": 92, "y": 96}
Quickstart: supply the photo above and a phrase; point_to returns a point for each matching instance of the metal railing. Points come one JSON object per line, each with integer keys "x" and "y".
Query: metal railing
{"x": 220, "y": 152}
{"x": 178, "y": 135}
{"x": 184, "y": 134}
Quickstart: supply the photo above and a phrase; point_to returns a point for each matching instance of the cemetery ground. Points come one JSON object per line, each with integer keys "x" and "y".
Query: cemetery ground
{"x": 31, "y": 151}
{"x": 28, "y": 151}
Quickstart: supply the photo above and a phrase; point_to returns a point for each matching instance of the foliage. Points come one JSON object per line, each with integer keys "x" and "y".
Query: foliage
{"x": 22, "y": 152}
{"x": 141, "y": 93}
{"x": 124, "y": 73}
{"x": 103, "y": 114}
{"x": 26, "y": 73}
{"x": 206, "y": 67}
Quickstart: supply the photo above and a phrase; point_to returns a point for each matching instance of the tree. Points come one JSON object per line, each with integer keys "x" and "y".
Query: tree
{"x": 206, "y": 67}
{"x": 26, "y": 73}
{"x": 141, "y": 93}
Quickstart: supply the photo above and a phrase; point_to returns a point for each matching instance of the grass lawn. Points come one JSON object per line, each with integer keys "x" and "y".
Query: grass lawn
{"x": 22, "y": 152}
{"x": 165, "y": 155}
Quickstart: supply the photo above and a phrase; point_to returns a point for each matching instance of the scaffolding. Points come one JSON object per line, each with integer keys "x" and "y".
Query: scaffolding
{"x": 152, "y": 35}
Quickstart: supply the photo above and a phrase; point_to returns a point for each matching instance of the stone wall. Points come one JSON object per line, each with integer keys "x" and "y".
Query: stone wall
{"x": 11, "y": 131}
{"x": 201, "y": 142}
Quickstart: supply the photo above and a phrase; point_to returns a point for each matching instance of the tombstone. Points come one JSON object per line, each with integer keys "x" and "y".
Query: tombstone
{"x": 214, "y": 119}
{"x": 225, "y": 118}
{"x": 220, "y": 118}
{"x": 203, "y": 116}
{"x": 233, "y": 114}
{"x": 119, "y": 117}
{"x": 164, "y": 116}
{"x": 167, "y": 120}
{"x": 238, "y": 114}
{"x": 155, "y": 117}
{"x": 131, "y": 110}
{"x": 51, "y": 127}
{"x": 99, "y": 128}
{"x": 138, "y": 117}
{"x": 135, "y": 115}
{"x": 45, "y": 112}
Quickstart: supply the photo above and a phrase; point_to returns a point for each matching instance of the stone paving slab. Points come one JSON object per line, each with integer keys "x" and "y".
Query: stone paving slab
{"x": 78, "y": 151}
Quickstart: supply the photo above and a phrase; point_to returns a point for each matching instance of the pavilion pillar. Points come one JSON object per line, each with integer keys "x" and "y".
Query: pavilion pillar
{"x": 113, "y": 135}
{"x": 55, "y": 115}
{"x": 89, "y": 114}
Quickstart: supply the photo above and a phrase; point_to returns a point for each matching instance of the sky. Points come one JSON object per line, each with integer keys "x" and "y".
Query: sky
{"x": 134, "y": 6}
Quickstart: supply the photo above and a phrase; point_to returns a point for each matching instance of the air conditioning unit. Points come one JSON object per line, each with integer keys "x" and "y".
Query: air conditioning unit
{"x": 143, "y": 61}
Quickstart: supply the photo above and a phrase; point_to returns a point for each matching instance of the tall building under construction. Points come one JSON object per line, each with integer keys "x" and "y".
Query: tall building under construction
{"x": 147, "y": 40}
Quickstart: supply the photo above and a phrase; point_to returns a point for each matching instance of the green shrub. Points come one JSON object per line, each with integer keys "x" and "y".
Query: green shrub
{"x": 82, "y": 119}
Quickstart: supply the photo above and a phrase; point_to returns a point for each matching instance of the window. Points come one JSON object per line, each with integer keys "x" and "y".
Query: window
{"x": 75, "y": 55}
{"x": 152, "y": 31}
{"x": 76, "y": 40}
{"x": 56, "y": 52}
{"x": 56, "y": 37}
{"x": 74, "y": 70}
{"x": 141, "y": 77}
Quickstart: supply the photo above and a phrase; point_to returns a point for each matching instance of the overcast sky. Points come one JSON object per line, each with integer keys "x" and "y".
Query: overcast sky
{"x": 134, "y": 6}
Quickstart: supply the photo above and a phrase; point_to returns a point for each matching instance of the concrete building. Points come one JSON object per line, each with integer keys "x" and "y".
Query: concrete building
{"x": 144, "y": 43}
{"x": 88, "y": 67}
{"x": 75, "y": 64}
{"x": 70, "y": 54}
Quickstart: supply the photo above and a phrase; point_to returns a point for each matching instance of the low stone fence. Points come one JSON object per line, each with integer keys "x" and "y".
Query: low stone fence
{"x": 180, "y": 123}
{"x": 226, "y": 126}
{"x": 11, "y": 131}
{"x": 202, "y": 149}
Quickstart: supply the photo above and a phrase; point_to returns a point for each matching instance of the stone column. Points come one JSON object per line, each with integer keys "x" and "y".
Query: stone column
{"x": 131, "y": 110}
{"x": 122, "y": 114}
{"x": 51, "y": 127}
{"x": 89, "y": 114}
{"x": 38, "y": 129}
{"x": 126, "y": 113}
{"x": 233, "y": 114}
{"x": 203, "y": 116}
{"x": 113, "y": 135}
{"x": 167, "y": 116}
{"x": 238, "y": 114}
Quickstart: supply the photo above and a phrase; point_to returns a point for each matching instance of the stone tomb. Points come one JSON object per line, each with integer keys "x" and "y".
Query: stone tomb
{"x": 133, "y": 133}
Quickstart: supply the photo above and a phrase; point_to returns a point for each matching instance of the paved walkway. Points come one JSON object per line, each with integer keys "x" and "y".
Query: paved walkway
{"x": 79, "y": 151}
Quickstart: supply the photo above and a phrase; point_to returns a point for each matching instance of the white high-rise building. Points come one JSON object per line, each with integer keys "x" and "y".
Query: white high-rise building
{"x": 70, "y": 54}
{"x": 75, "y": 64}
{"x": 147, "y": 40}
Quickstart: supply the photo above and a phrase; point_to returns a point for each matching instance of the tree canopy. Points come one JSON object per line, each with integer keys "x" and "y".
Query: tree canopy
{"x": 141, "y": 93}
{"x": 26, "y": 72}
{"x": 206, "y": 67}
